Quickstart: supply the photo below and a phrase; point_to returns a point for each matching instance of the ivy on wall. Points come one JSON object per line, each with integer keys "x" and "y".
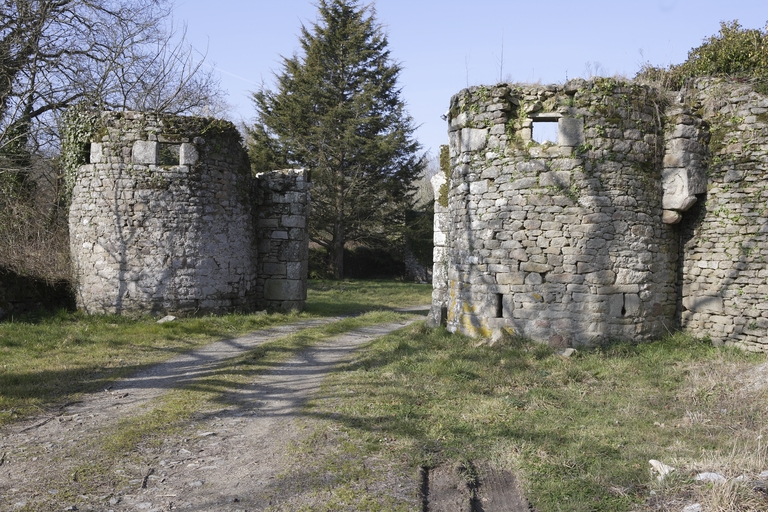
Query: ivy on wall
{"x": 78, "y": 126}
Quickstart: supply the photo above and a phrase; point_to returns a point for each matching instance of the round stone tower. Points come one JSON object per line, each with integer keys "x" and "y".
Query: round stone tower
{"x": 562, "y": 240}
{"x": 161, "y": 218}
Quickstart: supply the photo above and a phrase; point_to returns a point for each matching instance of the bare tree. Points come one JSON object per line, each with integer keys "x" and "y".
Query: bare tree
{"x": 103, "y": 54}
{"x": 113, "y": 54}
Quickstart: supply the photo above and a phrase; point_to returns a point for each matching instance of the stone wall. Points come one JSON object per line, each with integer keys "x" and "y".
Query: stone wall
{"x": 283, "y": 239}
{"x": 724, "y": 262}
{"x": 592, "y": 237}
{"x": 162, "y": 218}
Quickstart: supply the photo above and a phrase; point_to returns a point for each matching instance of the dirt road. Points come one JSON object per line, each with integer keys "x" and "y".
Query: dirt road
{"x": 227, "y": 461}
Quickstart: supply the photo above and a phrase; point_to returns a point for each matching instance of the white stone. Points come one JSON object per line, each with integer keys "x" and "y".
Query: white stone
{"x": 710, "y": 477}
{"x": 145, "y": 152}
{"x": 473, "y": 139}
{"x": 570, "y": 131}
{"x": 662, "y": 469}
{"x": 97, "y": 154}
{"x": 188, "y": 154}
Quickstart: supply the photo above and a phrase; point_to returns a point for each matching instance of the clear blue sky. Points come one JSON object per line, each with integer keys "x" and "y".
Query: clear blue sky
{"x": 446, "y": 45}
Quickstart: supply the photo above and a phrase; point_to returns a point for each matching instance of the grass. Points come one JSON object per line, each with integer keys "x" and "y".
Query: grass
{"x": 48, "y": 360}
{"x": 579, "y": 432}
{"x": 328, "y": 298}
{"x": 210, "y": 391}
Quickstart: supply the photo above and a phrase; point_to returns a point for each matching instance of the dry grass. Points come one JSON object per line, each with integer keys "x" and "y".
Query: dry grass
{"x": 34, "y": 237}
{"x": 726, "y": 400}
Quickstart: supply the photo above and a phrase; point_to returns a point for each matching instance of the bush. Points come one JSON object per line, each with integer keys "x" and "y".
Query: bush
{"x": 735, "y": 52}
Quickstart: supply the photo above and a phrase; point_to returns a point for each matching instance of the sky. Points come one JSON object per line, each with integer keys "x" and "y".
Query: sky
{"x": 445, "y": 46}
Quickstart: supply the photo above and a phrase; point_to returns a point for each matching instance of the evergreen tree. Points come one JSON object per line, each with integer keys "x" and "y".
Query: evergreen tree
{"x": 337, "y": 112}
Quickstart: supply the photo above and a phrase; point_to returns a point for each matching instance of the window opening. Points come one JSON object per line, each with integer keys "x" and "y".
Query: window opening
{"x": 545, "y": 130}
{"x": 170, "y": 154}
{"x": 499, "y": 305}
{"x": 86, "y": 155}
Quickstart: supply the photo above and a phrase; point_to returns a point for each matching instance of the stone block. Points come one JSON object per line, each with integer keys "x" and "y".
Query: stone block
{"x": 284, "y": 289}
{"x": 274, "y": 269}
{"x": 616, "y": 305}
{"x": 703, "y": 304}
{"x": 296, "y": 270}
{"x": 188, "y": 154}
{"x": 570, "y": 131}
{"x": 513, "y": 278}
{"x": 528, "y": 266}
{"x": 97, "y": 154}
{"x": 293, "y": 221}
{"x": 601, "y": 277}
{"x": 560, "y": 179}
{"x": 671, "y": 217}
{"x": 145, "y": 152}
{"x": 473, "y": 139}
{"x": 478, "y": 187}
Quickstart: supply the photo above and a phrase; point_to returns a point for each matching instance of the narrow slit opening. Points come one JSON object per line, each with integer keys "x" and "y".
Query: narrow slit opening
{"x": 499, "y": 305}
{"x": 87, "y": 153}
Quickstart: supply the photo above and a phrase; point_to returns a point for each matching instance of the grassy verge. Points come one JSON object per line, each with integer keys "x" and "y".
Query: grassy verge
{"x": 116, "y": 457}
{"x": 349, "y": 297}
{"x": 578, "y": 431}
{"x": 49, "y": 360}
{"x": 175, "y": 412}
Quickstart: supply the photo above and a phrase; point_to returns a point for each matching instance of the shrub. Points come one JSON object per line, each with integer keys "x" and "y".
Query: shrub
{"x": 735, "y": 51}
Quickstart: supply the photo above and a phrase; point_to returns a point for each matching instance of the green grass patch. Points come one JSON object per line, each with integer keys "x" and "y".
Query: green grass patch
{"x": 351, "y": 297}
{"x": 48, "y": 360}
{"x": 579, "y": 431}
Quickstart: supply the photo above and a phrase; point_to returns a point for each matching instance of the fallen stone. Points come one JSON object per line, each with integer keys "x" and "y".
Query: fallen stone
{"x": 165, "y": 319}
{"x": 662, "y": 469}
{"x": 693, "y": 508}
{"x": 710, "y": 477}
{"x": 568, "y": 352}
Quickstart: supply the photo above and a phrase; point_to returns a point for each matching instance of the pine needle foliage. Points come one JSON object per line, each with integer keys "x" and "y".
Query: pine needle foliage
{"x": 337, "y": 112}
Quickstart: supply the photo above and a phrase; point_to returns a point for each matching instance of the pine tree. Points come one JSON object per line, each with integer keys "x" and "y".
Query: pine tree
{"x": 337, "y": 112}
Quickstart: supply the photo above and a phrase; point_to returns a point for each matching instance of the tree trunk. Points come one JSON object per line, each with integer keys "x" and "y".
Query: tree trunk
{"x": 337, "y": 250}
{"x": 337, "y": 260}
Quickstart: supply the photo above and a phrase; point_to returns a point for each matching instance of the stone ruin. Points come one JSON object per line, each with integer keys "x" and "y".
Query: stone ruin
{"x": 167, "y": 218}
{"x": 648, "y": 214}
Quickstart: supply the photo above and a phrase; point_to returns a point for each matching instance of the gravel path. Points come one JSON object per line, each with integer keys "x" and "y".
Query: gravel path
{"x": 227, "y": 463}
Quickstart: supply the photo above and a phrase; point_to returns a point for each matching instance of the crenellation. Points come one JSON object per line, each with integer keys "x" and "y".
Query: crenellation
{"x": 163, "y": 219}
